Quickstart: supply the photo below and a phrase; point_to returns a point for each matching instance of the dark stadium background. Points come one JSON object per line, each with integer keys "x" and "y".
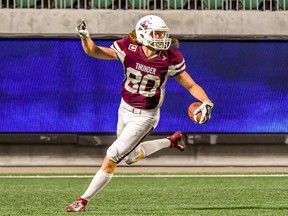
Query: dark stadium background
{"x": 51, "y": 85}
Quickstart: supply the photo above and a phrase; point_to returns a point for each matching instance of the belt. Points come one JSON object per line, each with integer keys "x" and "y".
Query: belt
{"x": 130, "y": 108}
{"x": 136, "y": 110}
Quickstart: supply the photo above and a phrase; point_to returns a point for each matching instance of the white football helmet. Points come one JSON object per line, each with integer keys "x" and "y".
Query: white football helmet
{"x": 152, "y": 31}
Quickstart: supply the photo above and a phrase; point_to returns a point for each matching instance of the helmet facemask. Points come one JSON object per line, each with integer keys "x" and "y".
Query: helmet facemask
{"x": 151, "y": 31}
{"x": 160, "y": 39}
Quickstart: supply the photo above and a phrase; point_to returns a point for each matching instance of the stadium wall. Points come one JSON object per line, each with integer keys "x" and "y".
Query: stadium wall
{"x": 111, "y": 23}
{"x": 241, "y": 151}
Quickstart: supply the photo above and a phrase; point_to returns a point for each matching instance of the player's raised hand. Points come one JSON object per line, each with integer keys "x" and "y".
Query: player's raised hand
{"x": 205, "y": 108}
{"x": 82, "y": 29}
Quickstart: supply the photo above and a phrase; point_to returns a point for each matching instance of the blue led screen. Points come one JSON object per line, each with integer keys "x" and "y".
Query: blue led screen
{"x": 51, "y": 85}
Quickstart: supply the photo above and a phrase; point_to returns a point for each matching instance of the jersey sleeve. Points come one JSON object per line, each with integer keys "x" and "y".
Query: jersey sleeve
{"x": 119, "y": 46}
{"x": 177, "y": 63}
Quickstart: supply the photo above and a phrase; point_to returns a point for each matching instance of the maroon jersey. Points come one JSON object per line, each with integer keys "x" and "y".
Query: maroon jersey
{"x": 145, "y": 79}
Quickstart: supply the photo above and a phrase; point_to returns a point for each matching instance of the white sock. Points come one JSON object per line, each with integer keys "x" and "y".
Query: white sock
{"x": 100, "y": 180}
{"x": 152, "y": 146}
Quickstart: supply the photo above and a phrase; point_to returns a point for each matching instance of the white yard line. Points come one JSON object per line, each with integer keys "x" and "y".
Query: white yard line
{"x": 144, "y": 176}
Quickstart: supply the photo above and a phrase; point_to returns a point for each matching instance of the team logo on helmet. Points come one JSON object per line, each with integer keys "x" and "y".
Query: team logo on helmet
{"x": 145, "y": 24}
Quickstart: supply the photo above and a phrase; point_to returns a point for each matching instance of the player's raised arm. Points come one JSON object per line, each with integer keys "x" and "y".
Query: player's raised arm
{"x": 90, "y": 47}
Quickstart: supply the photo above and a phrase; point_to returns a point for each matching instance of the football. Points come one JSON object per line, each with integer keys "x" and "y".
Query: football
{"x": 193, "y": 106}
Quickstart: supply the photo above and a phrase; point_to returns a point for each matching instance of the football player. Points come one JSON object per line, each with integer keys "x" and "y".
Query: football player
{"x": 149, "y": 57}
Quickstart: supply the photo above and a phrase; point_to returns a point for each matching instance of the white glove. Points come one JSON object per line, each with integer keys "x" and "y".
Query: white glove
{"x": 205, "y": 108}
{"x": 82, "y": 29}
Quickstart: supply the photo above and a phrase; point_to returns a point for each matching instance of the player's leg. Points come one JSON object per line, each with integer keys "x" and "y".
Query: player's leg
{"x": 149, "y": 147}
{"x": 135, "y": 128}
{"x": 130, "y": 136}
{"x": 152, "y": 146}
{"x": 101, "y": 178}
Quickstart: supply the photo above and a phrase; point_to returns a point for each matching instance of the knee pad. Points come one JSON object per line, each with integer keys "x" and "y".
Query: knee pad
{"x": 115, "y": 153}
{"x": 112, "y": 153}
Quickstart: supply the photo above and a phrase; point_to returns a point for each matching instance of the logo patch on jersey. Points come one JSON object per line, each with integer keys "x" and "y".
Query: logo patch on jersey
{"x": 132, "y": 47}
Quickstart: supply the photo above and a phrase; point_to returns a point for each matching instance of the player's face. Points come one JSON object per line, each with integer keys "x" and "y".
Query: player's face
{"x": 158, "y": 37}
{"x": 158, "y": 34}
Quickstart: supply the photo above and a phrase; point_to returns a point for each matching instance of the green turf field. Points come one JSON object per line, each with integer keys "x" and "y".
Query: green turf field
{"x": 132, "y": 195}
